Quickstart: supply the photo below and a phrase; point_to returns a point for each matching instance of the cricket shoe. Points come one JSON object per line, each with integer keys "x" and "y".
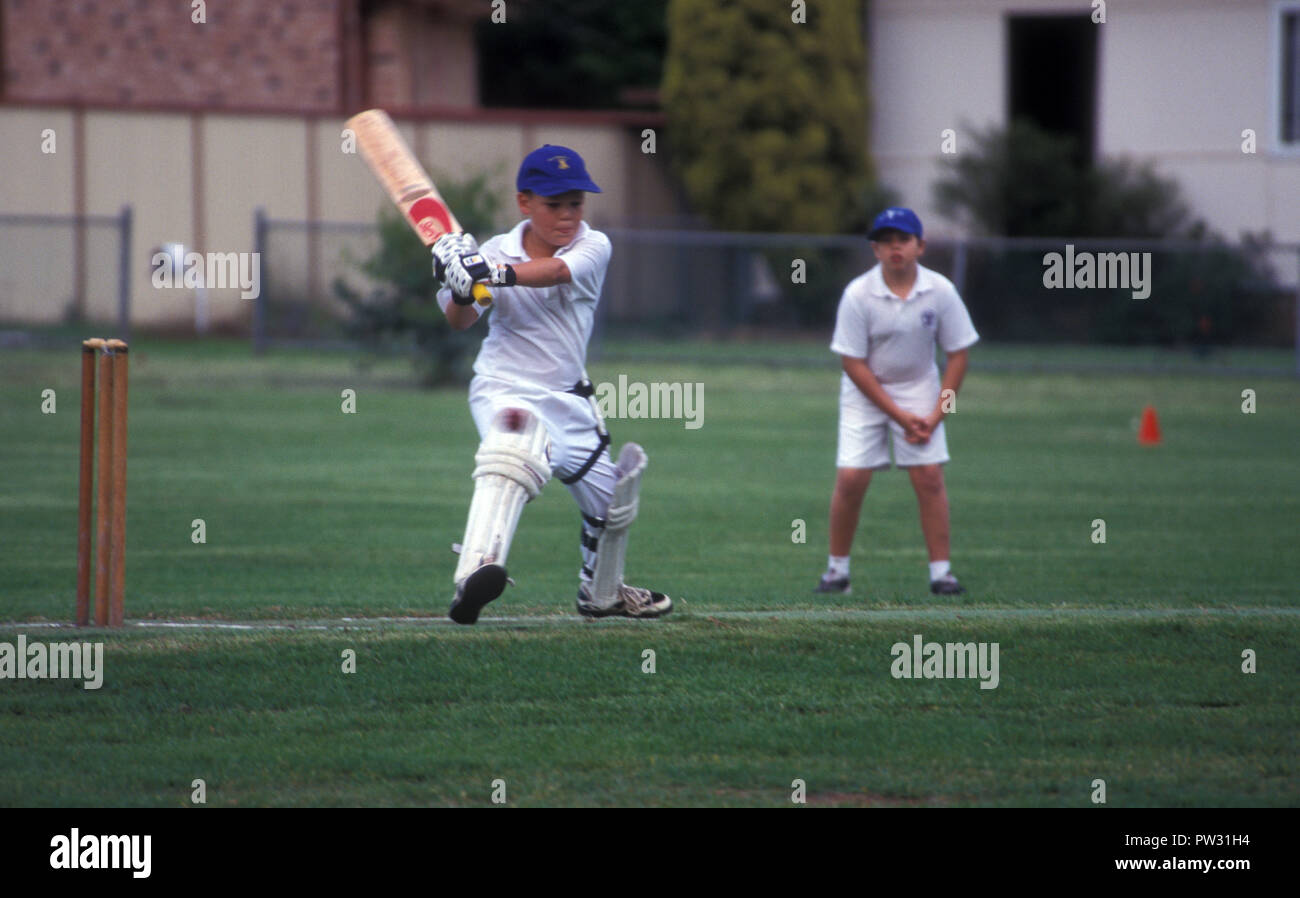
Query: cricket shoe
{"x": 834, "y": 584}
{"x": 483, "y": 585}
{"x": 633, "y": 601}
{"x": 946, "y": 585}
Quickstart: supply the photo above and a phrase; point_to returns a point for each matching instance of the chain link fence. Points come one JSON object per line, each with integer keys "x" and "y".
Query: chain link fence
{"x": 64, "y": 269}
{"x": 1129, "y": 292}
{"x": 691, "y": 283}
{"x": 300, "y": 262}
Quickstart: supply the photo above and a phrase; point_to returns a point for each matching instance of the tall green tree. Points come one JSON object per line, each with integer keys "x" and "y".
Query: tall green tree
{"x": 767, "y": 112}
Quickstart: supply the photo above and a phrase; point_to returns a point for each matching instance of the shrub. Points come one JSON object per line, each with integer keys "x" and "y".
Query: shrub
{"x": 1023, "y": 181}
{"x": 401, "y": 306}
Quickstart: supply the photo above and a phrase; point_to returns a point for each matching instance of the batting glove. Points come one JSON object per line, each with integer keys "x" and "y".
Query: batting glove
{"x": 461, "y": 273}
{"x": 447, "y": 247}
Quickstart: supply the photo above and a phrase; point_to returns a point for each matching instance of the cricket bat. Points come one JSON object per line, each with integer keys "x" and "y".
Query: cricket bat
{"x": 406, "y": 181}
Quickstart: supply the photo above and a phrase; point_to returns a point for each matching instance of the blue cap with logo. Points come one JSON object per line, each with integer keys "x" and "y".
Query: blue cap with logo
{"x": 895, "y": 218}
{"x": 550, "y": 170}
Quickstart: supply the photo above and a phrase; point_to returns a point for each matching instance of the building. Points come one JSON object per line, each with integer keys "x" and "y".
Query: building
{"x": 197, "y": 114}
{"x": 1207, "y": 89}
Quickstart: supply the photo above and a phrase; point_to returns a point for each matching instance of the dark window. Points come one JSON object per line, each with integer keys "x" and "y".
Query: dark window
{"x": 1290, "y": 92}
{"x": 1052, "y": 76}
{"x": 2, "y": 51}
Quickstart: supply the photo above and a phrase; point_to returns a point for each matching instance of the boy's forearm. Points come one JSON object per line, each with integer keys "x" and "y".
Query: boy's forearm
{"x": 537, "y": 273}
{"x": 865, "y": 380}
{"x": 542, "y": 273}
{"x": 460, "y": 317}
{"x": 954, "y": 373}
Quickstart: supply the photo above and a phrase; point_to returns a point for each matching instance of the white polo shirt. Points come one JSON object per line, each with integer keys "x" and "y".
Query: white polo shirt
{"x": 539, "y": 335}
{"x": 896, "y": 336}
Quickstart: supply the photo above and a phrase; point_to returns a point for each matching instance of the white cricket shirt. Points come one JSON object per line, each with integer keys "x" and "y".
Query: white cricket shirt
{"x": 539, "y": 334}
{"x": 896, "y": 336}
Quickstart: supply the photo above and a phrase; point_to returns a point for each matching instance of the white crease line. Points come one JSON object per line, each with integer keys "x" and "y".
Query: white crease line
{"x": 827, "y": 614}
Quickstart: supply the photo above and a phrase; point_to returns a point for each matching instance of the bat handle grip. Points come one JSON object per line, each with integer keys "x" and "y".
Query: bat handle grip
{"x": 482, "y": 295}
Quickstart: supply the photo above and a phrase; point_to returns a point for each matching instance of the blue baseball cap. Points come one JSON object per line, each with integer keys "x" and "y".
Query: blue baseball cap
{"x": 550, "y": 170}
{"x": 895, "y": 218}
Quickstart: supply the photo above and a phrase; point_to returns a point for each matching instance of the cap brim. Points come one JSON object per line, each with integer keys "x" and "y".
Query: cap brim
{"x": 875, "y": 234}
{"x": 555, "y": 188}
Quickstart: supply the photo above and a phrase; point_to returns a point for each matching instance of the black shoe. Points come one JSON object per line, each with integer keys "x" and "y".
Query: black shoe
{"x": 946, "y": 585}
{"x": 475, "y": 591}
{"x": 834, "y": 584}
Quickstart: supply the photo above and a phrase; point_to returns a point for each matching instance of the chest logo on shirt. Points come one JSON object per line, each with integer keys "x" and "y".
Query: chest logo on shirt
{"x": 927, "y": 318}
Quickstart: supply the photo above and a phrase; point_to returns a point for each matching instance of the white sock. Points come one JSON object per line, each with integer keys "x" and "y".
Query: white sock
{"x": 837, "y": 565}
{"x": 938, "y": 569}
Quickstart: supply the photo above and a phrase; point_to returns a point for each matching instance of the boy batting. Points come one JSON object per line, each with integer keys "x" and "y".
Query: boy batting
{"x": 888, "y": 323}
{"x": 530, "y": 396}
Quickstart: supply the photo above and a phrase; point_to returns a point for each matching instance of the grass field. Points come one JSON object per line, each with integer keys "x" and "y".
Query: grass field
{"x": 1120, "y": 661}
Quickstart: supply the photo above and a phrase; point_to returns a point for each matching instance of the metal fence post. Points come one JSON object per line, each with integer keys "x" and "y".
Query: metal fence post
{"x": 259, "y": 301}
{"x": 959, "y": 268}
{"x": 124, "y": 275}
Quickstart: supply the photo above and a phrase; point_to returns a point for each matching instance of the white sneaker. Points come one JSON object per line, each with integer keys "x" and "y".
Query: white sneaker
{"x": 633, "y": 601}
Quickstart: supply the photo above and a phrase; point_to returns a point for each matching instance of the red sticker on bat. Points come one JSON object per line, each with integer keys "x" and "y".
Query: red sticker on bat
{"x": 431, "y": 218}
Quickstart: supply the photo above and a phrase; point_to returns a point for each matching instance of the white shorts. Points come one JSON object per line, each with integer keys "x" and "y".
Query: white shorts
{"x": 568, "y": 418}
{"x": 866, "y": 431}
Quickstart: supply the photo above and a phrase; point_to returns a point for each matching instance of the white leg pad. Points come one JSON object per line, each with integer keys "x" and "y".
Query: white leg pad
{"x": 610, "y": 552}
{"x": 511, "y": 467}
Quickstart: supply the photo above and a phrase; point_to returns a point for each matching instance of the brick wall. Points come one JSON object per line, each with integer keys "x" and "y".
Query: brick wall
{"x": 247, "y": 53}
{"x": 309, "y": 56}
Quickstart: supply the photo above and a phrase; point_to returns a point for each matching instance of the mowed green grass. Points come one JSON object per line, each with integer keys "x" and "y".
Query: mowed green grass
{"x": 313, "y": 515}
{"x": 734, "y": 713}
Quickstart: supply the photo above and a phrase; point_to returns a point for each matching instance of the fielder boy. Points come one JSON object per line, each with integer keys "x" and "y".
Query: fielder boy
{"x": 530, "y": 396}
{"x": 888, "y": 323}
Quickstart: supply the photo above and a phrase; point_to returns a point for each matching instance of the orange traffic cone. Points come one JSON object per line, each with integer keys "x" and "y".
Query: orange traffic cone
{"x": 1149, "y": 431}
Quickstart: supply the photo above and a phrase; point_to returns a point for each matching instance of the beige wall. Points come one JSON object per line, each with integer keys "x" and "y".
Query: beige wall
{"x": 933, "y": 66}
{"x": 1178, "y": 82}
{"x": 1183, "y": 94}
{"x": 143, "y": 161}
{"x": 35, "y": 181}
{"x": 197, "y": 179}
{"x": 36, "y": 264}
